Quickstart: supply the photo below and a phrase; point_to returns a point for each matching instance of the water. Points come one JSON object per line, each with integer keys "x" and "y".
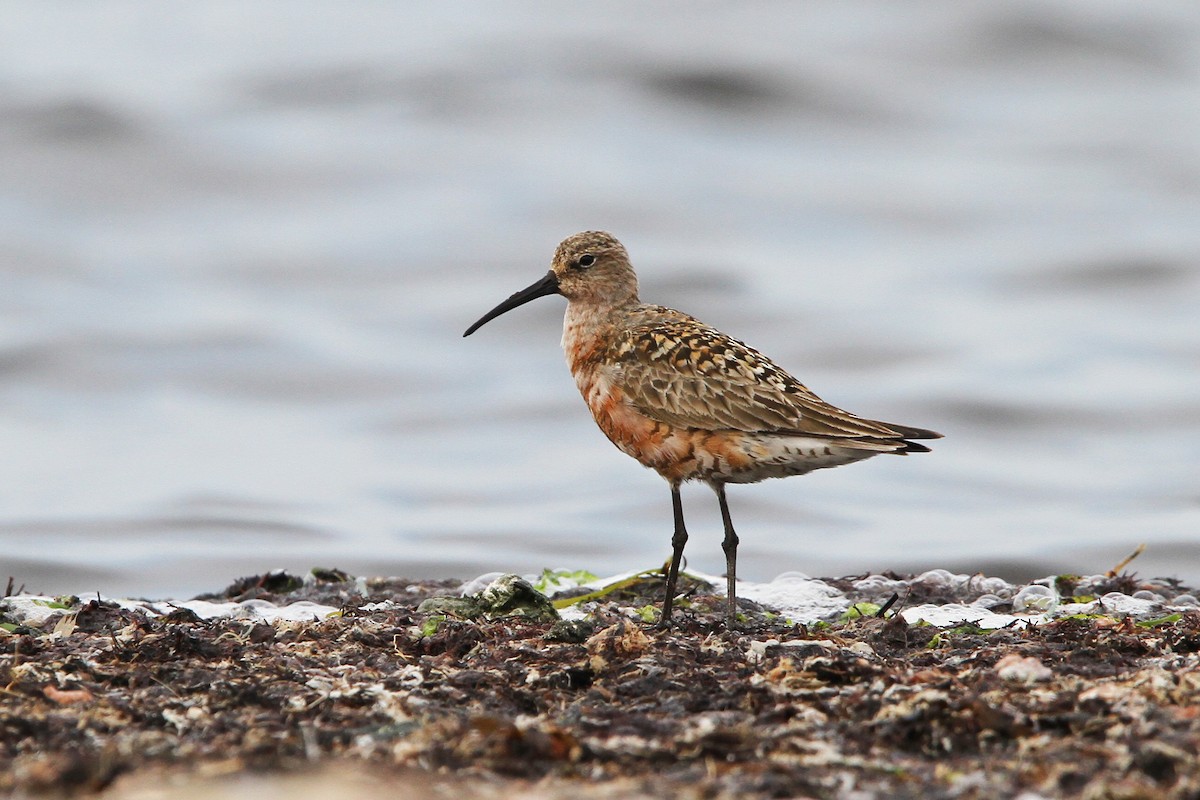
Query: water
{"x": 239, "y": 245}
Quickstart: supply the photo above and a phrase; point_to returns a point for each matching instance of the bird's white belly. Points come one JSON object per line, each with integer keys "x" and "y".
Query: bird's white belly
{"x": 775, "y": 456}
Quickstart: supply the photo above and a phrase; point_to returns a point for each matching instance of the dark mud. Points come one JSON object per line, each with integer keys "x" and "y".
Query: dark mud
{"x": 106, "y": 700}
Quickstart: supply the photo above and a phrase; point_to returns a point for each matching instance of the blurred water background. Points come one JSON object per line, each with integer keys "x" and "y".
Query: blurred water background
{"x": 239, "y": 244}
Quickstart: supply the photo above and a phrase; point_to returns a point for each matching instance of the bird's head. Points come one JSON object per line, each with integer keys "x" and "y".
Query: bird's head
{"x": 590, "y": 267}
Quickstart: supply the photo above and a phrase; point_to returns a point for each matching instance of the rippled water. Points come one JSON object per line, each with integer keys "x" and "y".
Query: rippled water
{"x": 239, "y": 245}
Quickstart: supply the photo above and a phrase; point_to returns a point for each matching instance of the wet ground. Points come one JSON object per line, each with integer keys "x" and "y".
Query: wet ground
{"x": 385, "y": 696}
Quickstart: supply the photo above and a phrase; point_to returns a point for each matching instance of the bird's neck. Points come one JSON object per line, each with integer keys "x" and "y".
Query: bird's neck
{"x": 588, "y": 328}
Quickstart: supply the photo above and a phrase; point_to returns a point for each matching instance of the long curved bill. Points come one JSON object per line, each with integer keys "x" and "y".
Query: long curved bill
{"x": 547, "y": 285}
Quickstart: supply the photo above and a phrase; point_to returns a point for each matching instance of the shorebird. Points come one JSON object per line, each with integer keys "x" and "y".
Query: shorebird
{"x": 687, "y": 400}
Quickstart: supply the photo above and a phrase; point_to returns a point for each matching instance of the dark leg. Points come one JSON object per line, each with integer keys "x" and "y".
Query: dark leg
{"x": 729, "y": 545}
{"x": 678, "y": 540}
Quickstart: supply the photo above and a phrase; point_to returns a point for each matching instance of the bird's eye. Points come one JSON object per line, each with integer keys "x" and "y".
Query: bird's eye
{"x": 586, "y": 260}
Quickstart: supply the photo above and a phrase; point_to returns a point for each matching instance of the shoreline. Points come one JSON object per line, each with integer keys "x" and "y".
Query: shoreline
{"x": 116, "y": 702}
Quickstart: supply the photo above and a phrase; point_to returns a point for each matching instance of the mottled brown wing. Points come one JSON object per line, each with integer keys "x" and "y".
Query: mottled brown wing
{"x": 684, "y": 373}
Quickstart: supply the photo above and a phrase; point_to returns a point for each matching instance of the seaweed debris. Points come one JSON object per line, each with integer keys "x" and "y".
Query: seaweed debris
{"x": 100, "y": 698}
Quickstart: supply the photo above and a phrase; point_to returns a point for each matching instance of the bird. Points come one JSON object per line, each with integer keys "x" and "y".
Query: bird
{"x": 688, "y": 401}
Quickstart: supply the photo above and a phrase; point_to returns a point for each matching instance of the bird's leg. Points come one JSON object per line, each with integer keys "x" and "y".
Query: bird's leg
{"x": 729, "y": 545}
{"x": 678, "y": 540}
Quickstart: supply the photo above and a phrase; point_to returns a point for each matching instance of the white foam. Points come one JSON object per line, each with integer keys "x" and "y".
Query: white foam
{"x": 1035, "y": 598}
{"x": 798, "y": 598}
{"x": 254, "y": 610}
{"x": 36, "y": 609}
{"x": 954, "y": 614}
